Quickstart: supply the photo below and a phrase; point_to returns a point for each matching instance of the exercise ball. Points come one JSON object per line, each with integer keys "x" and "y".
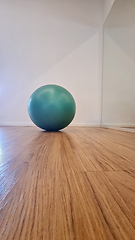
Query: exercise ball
{"x": 51, "y": 107}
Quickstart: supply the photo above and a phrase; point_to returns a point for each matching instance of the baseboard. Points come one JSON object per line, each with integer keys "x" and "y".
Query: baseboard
{"x": 118, "y": 125}
{"x": 15, "y": 124}
{"x": 85, "y": 125}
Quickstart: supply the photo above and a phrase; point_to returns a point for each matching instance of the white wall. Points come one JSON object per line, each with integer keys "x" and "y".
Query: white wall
{"x": 50, "y": 42}
{"x": 107, "y": 5}
{"x": 119, "y": 66}
{"x": 119, "y": 86}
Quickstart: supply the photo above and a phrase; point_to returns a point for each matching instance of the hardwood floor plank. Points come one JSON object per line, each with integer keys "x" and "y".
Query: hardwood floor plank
{"x": 75, "y": 184}
{"x": 112, "y": 203}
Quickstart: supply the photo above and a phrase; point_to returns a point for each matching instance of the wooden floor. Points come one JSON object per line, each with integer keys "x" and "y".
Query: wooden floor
{"x": 78, "y": 184}
{"x": 125, "y": 129}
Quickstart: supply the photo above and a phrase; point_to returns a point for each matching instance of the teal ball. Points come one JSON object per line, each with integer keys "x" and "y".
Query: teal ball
{"x": 51, "y": 107}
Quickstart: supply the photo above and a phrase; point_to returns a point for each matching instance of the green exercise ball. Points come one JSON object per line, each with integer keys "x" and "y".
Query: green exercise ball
{"x": 51, "y": 107}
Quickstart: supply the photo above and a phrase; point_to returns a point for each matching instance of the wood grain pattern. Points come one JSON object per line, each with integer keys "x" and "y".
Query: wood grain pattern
{"x": 75, "y": 184}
